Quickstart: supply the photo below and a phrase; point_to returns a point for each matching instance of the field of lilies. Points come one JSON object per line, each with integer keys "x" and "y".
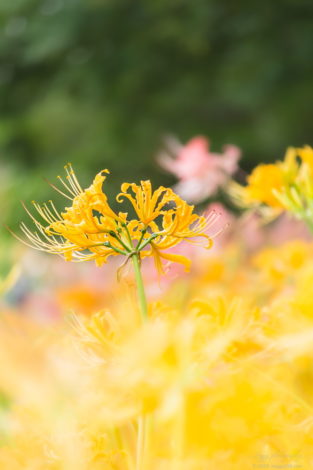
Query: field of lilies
{"x": 158, "y": 331}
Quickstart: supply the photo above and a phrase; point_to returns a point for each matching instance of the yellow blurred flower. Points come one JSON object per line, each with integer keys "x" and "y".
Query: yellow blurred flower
{"x": 306, "y": 154}
{"x": 282, "y": 263}
{"x": 80, "y": 297}
{"x": 261, "y": 183}
{"x": 286, "y": 185}
{"x": 221, "y": 384}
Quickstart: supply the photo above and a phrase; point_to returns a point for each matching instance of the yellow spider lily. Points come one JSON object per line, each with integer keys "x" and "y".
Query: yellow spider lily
{"x": 178, "y": 221}
{"x": 90, "y": 230}
{"x": 148, "y": 205}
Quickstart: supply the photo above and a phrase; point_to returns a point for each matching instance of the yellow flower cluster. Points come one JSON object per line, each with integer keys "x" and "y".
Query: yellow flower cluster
{"x": 285, "y": 185}
{"x": 90, "y": 230}
{"x": 224, "y": 381}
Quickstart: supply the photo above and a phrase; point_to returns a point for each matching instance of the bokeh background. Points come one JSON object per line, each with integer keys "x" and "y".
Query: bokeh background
{"x": 224, "y": 371}
{"x": 100, "y": 82}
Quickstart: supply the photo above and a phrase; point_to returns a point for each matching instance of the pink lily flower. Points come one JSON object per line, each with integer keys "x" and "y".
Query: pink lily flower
{"x": 200, "y": 172}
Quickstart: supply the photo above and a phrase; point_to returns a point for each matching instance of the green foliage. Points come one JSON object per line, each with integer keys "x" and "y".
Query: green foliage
{"x": 99, "y": 82}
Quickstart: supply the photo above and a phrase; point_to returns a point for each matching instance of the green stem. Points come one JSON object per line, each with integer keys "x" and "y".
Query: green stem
{"x": 114, "y": 235}
{"x": 141, "y": 430}
{"x": 143, "y": 231}
{"x": 146, "y": 242}
{"x": 114, "y": 248}
{"x": 140, "y": 287}
{"x": 128, "y": 235}
{"x": 142, "y": 420}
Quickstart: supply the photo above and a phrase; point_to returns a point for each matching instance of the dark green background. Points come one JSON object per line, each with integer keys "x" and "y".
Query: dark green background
{"x": 100, "y": 82}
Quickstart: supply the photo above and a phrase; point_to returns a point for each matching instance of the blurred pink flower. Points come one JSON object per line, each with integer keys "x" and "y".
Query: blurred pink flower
{"x": 200, "y": 172}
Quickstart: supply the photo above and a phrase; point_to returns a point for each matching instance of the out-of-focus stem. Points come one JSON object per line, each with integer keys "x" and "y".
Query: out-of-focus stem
{"x": 140, "y": 443}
